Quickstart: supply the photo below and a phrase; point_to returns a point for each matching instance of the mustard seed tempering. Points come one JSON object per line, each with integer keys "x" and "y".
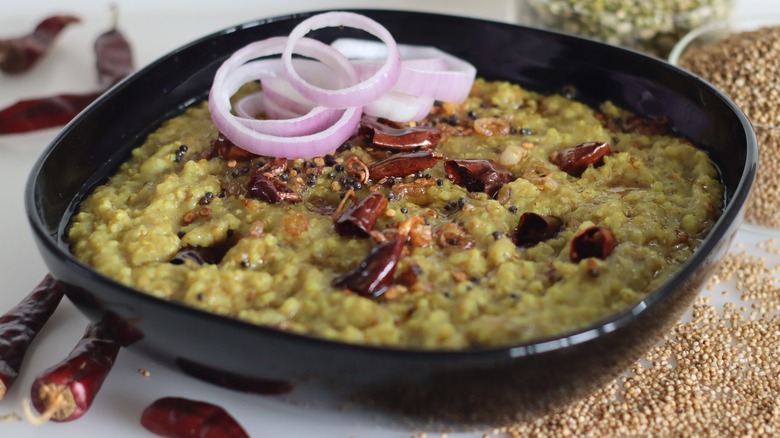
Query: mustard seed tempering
{"x": 745, "y": 66}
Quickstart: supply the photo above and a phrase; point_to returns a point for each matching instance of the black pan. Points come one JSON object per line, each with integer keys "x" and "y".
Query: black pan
{"x": 475, "y": 385}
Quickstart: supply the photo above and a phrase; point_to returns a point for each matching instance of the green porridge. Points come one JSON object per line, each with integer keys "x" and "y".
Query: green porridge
{"x": 533, "y": 215}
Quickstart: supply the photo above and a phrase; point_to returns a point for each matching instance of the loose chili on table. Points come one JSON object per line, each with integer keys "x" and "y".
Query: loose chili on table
{"x": 177, "y": 417}
{"x": 66, "y": 391}
{"x": 20, "y": 54}
{"x": 20, "y": 325}
{"x": 114, "y": 62}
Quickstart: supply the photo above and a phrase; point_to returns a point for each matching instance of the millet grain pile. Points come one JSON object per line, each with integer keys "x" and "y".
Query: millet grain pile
{"x": 746, "y": 66}
{"x": 716, "y": 375}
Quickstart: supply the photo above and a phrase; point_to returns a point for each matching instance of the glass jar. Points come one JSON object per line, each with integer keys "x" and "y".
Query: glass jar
{"x": 651, "y": 26}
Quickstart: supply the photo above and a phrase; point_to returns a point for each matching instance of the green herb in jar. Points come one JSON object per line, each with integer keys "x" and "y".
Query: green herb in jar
{"x": 650, "y": 26}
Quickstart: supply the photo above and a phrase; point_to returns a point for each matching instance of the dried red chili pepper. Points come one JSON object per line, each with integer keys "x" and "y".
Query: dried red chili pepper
{"x": 403, "y": 164}
{"x": 374, "y": 275}
{"x": 269, "y": 189}
{"x": 575, "y": 160}
{"x": 18, "y": 55}
{"x": 224, "y": 148}
{"x": 66, "y": 391}
{"x": 384, "y": 136}
{"x": 20, "y": 325}
{"x": 234, "y": 381}
{"x": 177, "y": 417}
{"x": 533, "y": 228}
{"x": 114, "y": 62}
{"x": 45, "y": 112}
{"x": 478, "y": 175}
{"x": 114, "y": 56}
{"x": 592, "y": 242}
{"x": 359, "y": 219}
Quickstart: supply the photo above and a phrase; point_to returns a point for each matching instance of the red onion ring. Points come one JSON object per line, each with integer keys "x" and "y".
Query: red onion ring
{"x": 233, "y": 73}
{"x": 313, "y": 106}
{"x": 252, "y": 106}
{"x": 451, "y": 84}
{"x": 282, "y": 121}
{"x": 400, "y": 107}
{"x": 359, "y": 94}
{"x": 279, "y": 91}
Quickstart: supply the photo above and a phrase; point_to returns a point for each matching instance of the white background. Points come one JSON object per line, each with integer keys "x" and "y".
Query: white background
{"x": 154, "y": 28}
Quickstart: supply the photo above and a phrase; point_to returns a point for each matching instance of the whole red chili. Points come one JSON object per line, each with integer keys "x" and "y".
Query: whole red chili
{"x": 478, "y": 175}
{"x": 18, "y": 55}
{"x": 177, "y": 417}
{"x": 222, "y": 147}
{"x": 402, "y": 164}
{"x": 374, "y": 275}
{"x": 359, "y": 219}
{"x": 113, "y": 55}
{"x": 533, "y": 228}
{"x": 575, "y": 160}
{"x": 20, "y": 325}
{"x": 593, "y": 241}
{"x": 384, "y": 136}
{"x": 261, "y": 186}
{"x": 66, "y": 391}
{"x": 43, "y": 112}
{"x": 114, "y": 62}
{"x": 234, "y": 381}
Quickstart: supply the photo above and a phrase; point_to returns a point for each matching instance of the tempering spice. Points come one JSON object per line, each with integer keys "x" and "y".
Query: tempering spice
{"x": 716, "y": 374}
{"x": 651, "y": 26}
{"x": 745, "y": 66}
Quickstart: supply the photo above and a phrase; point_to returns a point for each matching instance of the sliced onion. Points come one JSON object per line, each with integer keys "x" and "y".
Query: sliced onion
{"x": 303, "y": 137}
{"x": 359, "y": 94}
{"x": 274, "y": 110}
{"x": 283, "y": 122}
{"x": 367, "y": 68}
{"x": 252, "y": 106}
{"x": 279, "y": 91}
{"x": 451, "y": 85}
{"x": 313, "y": 105}
{"x": 400, "y": 107}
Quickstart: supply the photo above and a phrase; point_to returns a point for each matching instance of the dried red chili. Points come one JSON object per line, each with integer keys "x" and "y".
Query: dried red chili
{"x": 359, "y": 219}
{"x": 478, "y": 175}
{"x": 114, "y": 57}
{"x": 114, "y": 62}
{"x": 224, "y": 148}
{"x": 44, "y": 112}
{"x": 262, "y": 187}
{"x": 18, "y": 55}
{"x": 177, "y": 417}
{"x": 533, "y": 228}
{"x": 66, "y": 391}
{"x": 403, "y": 164}
{"x": 575, "y": 160}
{"x": 269, "y": 189}
{"x": 234, "y": 381}
{"x": 383, "y": 136}
{"x": 20, "y": 325}
{"x": 374, "y": 275}
{"x": 594, "y": 241}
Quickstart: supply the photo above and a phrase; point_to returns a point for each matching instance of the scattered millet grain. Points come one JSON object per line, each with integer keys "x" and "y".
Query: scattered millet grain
{"x": 715, "y": 375}
{"x": 746, "y": 66}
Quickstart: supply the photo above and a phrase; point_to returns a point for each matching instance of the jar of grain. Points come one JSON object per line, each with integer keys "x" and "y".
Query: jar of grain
{"x": 742, "y": 59}
{"x": 652, "y": 26}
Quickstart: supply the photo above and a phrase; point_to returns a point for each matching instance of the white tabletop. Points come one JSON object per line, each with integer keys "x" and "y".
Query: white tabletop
{"x": 154, "y": 28}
